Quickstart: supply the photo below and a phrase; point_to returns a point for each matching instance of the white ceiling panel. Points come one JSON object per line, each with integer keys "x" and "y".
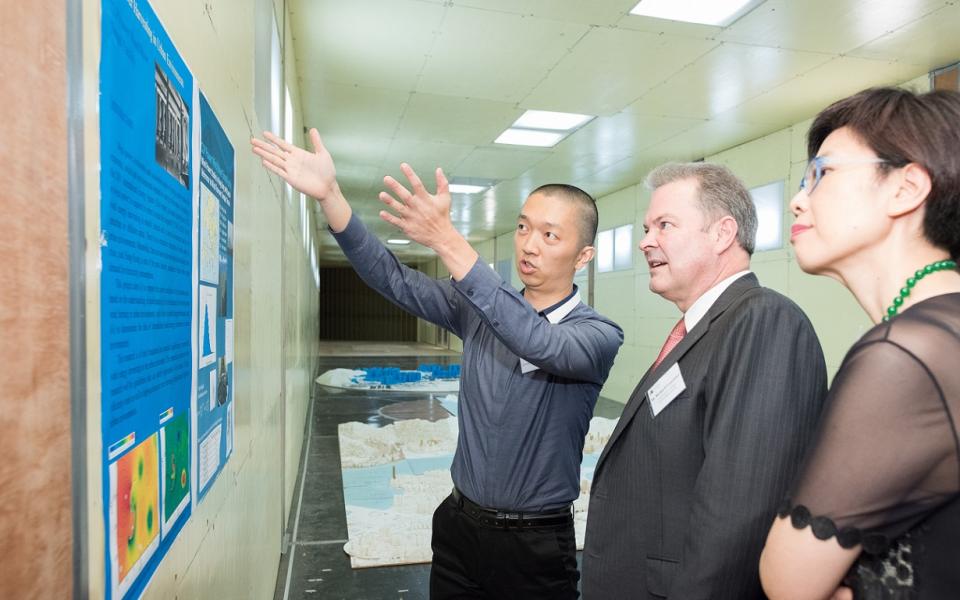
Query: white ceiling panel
{"x": 930, "y": 42}
{"x": 494, "y": 55}
{"x": 572, "y": 11}
{"x": 724, "y": 78}
{"x": 610, "y": 68}
{"x": 605, "y": 141}
{"x": 377, "y": 43}
{"x": 425, "y": 157}
{"x": 804, "y": 96}
{"x": 454, "y": 119}
{"x": 667, "y": 27}
{"x": 829, "y": 26}
{"x": 502, "y": 162}
{"x": 335, "y": 108}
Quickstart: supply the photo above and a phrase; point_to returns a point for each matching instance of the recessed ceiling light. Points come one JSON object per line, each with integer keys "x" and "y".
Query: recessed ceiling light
{"x": 463, "y": 188}
{"x": 545, "y": 119}
{"x": 398, "y": 242}
{"x": 713, "y": 12}
{"x": 529, "y": 137}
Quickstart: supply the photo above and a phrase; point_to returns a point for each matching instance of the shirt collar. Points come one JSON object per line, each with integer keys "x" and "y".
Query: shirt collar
{"x": 699, "y": 309}
{"x": 556, "y": 312}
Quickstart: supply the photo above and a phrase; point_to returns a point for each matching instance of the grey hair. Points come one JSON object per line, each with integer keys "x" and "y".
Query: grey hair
{"x": 721, "y": 194}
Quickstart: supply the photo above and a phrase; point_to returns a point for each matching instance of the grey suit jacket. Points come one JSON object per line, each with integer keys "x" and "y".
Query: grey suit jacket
{"x": 681, "y": 503}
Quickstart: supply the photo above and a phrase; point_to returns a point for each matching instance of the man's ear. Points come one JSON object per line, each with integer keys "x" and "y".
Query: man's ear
{"x": 586, "y": 255}
{"x": 726, "y": 233}
{"x": 912, "y": 191}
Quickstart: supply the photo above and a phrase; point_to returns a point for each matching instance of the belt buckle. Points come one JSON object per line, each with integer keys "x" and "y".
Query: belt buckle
{"x": 509, "y": 519}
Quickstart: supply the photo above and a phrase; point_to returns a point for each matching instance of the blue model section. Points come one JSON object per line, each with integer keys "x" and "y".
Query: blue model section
{"x": 394, "y": 375}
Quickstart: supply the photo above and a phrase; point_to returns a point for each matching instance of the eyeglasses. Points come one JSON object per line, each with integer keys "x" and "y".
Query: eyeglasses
{"x": 814, "y": 172}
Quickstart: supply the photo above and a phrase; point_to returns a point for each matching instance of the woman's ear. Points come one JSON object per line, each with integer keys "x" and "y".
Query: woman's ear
{"x": 914, "y": 188}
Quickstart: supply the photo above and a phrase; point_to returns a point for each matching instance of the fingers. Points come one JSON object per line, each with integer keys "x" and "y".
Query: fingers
{"x": 270, "y": 157}
{"x": 275, "y": 169}
{"x": 279, "y": 142}
{"x": 414, "y": 180}
{"x": 263, "y": 148}
{"x": 397, "y": 188}
{"x": 393, "y": 220}
{"x": 315, "y": 140}
{"x": 443, "y": 186}
{"x": 842, "y": 593}
{"x": 398, "y": 207}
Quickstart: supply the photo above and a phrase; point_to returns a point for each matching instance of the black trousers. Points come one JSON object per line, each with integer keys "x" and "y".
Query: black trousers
{"x": 477, "y": 560}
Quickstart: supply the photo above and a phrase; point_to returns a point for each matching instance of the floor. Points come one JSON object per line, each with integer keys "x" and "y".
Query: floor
{"x": 316, "y": 566}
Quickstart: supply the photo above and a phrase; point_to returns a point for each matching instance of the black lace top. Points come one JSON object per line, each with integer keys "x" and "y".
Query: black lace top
{"x": 885, "y": 470}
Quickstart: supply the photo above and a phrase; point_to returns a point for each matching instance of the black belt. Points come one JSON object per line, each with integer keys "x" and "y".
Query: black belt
{"x": 500, "y": 518}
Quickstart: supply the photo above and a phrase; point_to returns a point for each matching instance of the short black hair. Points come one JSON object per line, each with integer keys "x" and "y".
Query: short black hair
{"x": 903, "y": 127}
{"x": 585, "y": 202}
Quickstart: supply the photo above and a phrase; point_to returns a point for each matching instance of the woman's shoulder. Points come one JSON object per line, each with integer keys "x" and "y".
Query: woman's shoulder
{"x": 928, "y": 327}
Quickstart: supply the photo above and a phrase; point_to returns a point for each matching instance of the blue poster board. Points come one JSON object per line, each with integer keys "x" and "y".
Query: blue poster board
{"x": 146, "y": 285}
{"x": 213, "y": 408}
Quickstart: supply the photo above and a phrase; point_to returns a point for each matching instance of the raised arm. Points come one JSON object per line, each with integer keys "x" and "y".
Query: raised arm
{"x": 314, "y": 174}
{"x": 584, "y": 350}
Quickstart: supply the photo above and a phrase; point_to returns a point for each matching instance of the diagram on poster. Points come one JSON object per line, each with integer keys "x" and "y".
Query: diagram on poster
{"x": 209, "y": 236}
{"x": 134, "y": 514}
{"x": 175, "y": 453}
{"x": 208, "y": 325}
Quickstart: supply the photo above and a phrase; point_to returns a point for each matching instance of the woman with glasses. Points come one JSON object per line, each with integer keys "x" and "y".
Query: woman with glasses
{"x": 877, "y": 505}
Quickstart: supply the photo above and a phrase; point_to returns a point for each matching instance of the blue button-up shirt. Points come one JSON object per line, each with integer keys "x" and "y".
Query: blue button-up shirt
{"x": 521, "y": 433}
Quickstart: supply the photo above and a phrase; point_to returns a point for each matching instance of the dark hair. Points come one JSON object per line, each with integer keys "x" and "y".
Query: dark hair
{"x": 721, "y": 193}
{"x": 902, "y": 127}
{"x": 584, "y": 201}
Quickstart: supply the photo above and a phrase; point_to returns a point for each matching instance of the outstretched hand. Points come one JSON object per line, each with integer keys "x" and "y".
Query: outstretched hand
{"x": 312, "y": 173}
{"x": 423, "y": 216}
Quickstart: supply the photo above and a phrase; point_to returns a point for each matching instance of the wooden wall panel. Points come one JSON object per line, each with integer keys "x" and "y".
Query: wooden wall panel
{"x": 35, "y": 476}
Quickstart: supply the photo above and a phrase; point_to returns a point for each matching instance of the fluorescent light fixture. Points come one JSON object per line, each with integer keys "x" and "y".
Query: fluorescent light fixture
{"x": 545, "y": 119}
{"x": 463, "y": 188}
{"x": 706, "y": 12}
{"x": 529, "y": 137}
{"x": 398, "y": 242}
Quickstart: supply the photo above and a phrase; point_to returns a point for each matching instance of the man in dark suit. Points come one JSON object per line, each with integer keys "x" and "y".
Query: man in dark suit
{"x": 689, "y": 482}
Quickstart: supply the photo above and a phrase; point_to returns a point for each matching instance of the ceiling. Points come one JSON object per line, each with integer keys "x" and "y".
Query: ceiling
{"x": 434, "y": 82}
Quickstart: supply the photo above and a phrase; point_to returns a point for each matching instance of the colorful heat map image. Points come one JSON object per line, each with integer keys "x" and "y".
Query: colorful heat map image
{"x": 176, "y": 457}
{"x": 138, "y": 502}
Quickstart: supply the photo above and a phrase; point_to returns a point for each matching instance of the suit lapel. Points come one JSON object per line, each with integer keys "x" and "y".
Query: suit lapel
{"x": 639, "y": 396}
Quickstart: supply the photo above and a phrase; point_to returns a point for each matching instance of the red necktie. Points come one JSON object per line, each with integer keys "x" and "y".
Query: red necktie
{"x": 676, "y": 334}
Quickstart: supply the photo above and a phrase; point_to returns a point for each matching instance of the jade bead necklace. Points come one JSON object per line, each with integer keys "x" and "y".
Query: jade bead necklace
{"x": 940, "y": 265}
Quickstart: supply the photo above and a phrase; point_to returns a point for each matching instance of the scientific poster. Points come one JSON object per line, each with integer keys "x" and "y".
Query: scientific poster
{"x": 149, "y": 326}
{"x": 213, "y": 402}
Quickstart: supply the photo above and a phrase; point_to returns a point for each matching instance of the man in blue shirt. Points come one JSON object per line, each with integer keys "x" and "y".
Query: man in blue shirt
{"x": 533, "y": 365}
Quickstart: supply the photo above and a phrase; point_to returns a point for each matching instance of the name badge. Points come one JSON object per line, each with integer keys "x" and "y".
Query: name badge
{"x": 666, "y": 389}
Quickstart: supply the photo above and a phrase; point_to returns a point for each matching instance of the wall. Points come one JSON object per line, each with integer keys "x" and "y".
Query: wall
{"x": 36, "y": 525}
{"x": 230, "y": 548}
{"x": 647, "y": 319}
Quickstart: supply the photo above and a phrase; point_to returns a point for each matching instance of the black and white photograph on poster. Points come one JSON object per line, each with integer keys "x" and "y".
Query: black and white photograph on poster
{"x": 207, "y": 318}
{"x": 214, "y": 381}
{"x": 223, "y": 385}
{"x": 172, "y": 129}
